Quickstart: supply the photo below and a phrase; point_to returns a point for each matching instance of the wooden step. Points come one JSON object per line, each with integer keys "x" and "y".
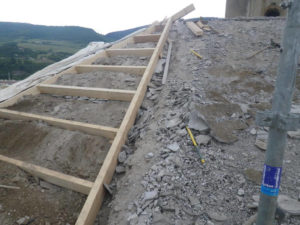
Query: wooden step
{"x": 130, "y": 52}
{"x": 108, "y": 132}
{"x": 159, "y": 28}
{"x": 194, "y": 28}
{"x": 60, "y": 179}
{"x": 146, "y": 38}
{"x": 102, "y": 93}
{"x": 137, "y": 70}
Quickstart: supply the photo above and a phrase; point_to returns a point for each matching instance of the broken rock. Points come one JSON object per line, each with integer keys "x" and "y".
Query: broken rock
{"x": 120, "y": 169}
{"x": 197, "y": 122}
{"x": 203, "y": 139}
{"x": 261, "y": 140}
{"x": 173, "y": 147}
{"x": 173, "y": 122}
{"x": 150, "y": 195}
{"x": 160, "y": 66}
{"x": 217, "y": 216}
{"x": 149, "y": 155}
{"x": 289, "y": 205}
{"x": 122, "y": 157}
{"x": 294, "y": 134}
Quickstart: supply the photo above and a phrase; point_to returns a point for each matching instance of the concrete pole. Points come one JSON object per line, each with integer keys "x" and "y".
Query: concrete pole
{"x": 278, "y": 120}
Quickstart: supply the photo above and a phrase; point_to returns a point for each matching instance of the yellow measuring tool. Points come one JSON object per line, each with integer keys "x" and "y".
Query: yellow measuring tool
{"x": 195, "y": 144}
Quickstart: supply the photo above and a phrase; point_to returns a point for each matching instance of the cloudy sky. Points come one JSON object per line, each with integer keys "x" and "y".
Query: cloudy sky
{"x": 103, "y": 16}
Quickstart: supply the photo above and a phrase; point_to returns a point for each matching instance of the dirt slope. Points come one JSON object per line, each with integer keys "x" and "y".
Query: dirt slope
{"x": 226, "y": 88}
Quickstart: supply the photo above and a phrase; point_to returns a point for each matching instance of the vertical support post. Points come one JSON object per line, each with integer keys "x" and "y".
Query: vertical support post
{"x": 281, "y": 107}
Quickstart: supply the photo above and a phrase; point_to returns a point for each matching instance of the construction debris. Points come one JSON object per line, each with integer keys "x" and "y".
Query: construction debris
{"x": 159, "y": 178}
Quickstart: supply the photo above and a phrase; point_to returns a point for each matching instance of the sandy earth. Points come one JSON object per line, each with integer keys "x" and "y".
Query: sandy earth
{"x": 164, "y": 181}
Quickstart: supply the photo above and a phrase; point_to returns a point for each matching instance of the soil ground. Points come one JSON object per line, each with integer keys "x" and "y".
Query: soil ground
{"x": 162, "y": 184}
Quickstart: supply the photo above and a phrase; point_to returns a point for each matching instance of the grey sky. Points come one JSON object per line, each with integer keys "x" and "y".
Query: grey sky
{"x": 103, "y": 16}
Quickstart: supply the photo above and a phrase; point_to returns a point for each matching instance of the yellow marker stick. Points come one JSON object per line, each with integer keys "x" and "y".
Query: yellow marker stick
{"x": 195, "y": 144}
{"x": 191, "y": 135}
{"x": 196, "y": 54}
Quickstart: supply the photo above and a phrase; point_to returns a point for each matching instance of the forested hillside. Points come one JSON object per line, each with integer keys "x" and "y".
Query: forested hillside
{"x": 27, "y": 48}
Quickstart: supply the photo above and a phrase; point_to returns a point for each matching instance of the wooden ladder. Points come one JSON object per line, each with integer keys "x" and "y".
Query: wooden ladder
{"x": 95, "y": 190}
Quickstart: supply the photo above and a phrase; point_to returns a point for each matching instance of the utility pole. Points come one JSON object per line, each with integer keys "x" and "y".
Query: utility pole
{"x": 279, "y": 119}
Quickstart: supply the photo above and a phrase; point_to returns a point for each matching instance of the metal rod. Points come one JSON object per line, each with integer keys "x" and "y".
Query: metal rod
{"x": 281, "y": 106}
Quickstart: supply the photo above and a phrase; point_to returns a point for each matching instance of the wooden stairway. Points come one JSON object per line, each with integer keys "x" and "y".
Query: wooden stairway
{"x": 95, "y": 190}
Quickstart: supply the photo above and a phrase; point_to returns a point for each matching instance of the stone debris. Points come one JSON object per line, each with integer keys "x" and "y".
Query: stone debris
{"x": 160, "y": 66}
{"x": 203, "y": 139}
{"x": 253, "y": 131}
{"x": 261, "y": 140}
{"x": 217, "y": 216}
{"x": 149, "y": 155}
{"x": 219, "y": 119}
{"x": 150, "y": 195}
{"x": 289, "y": 205}
{"x": 122, "y": 157}
{"x": 241, "y": 192}
{"x": 294, "y": 134}
{"x": 120, "y": 169}
{"x": 173, "y": 122}
{"x": 174, "y": 147}
{"x": 217, "y": 98}
{"x": 197, "y": 122}
{"x": 23, "y": 221}
{"x": 159, "y": 219}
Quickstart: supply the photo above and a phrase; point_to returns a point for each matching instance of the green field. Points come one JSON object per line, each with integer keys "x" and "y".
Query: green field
{"x": 20, "y": 58}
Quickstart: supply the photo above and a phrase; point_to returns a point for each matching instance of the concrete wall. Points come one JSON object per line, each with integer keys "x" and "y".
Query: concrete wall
{"x": 236, "y": 8}
{"x": 251, "y": 8}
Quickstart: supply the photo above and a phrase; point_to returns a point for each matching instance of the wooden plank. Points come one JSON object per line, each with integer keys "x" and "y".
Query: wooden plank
{"x": 200, "y": 24}
{"x": 146, "y": 38}
{"x": 102, "y": 93}
{"x": 130, "y": 52}
{"x": 167, "y": 63}
{"x": 194, "y": 28}
{"x": 60, "y": 179}
{"x": 9, "y": 187}
{"x": 92, "y": 129}
{"x": 159, "y": 28}
{"x": 183, "y": 12}
{"x": 137, "y": 70}
{"x": 95, "y": 198}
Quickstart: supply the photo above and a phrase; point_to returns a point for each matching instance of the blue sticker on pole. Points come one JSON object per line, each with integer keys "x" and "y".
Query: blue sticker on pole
{"x": 271, "y": 180}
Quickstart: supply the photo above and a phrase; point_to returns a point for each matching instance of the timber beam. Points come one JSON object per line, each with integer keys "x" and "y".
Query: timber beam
{"x": 146, "y": 38}
{"x": 102, "y": 93}
{"x": 137, "y": 70}
{"x": 51, "y": 176}
{"x": 159, "y": 28}
{"x": 108, "y": 132}
{"x": 130, "y": 52}
{"x": 194, "y": 28}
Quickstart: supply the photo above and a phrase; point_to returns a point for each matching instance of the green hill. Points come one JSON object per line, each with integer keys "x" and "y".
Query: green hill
{"x": 120, "y": 34}
{"x": 64, "y": 33}
{"x": 27, "y": 48}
